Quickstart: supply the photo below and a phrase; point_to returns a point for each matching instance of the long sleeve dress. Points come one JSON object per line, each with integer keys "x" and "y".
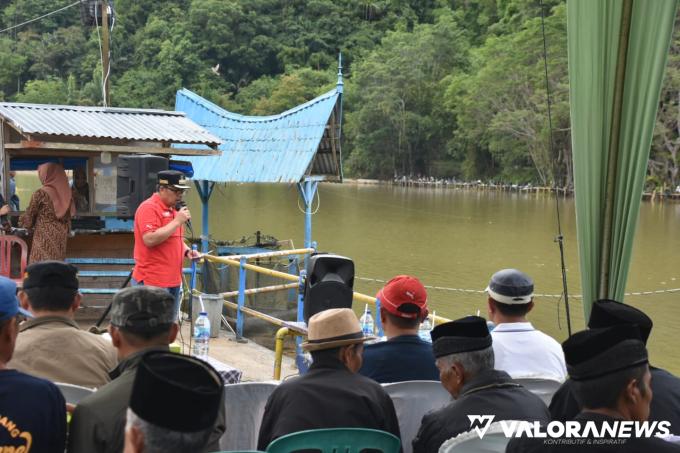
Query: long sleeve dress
{"x": 49, "y": 233}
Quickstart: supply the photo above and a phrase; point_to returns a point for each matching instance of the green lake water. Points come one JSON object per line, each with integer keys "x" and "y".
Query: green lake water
{"x": 453, "y": 238}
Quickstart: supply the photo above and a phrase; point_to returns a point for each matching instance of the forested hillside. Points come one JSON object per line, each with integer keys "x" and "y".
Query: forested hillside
{"x": 442, "y": 88}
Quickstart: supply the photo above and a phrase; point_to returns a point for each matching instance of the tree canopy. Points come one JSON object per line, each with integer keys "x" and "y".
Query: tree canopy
{"x": 443, "y": 88}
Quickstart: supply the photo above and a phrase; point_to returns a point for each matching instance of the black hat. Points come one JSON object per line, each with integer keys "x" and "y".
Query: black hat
{"x": 595, "y": 353}
{"x": 51, "y": 273}
{"x": 142, "y": 308}
{"x": 176, "y": 392}
{"x": 510, "y": 286}
{"x": 462, "y": 335}
{"x": 172, "y": 178}
{"x": 607, "y": 313}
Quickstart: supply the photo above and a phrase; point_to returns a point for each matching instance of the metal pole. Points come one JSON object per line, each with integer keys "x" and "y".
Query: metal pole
{"x": 307, "y": 190}
{"x": 378, "y": 321}
{"x": 292, "y": 270}
{"x": 278, "y": 351}
{"x": 241, "y": 298}
{"x": 205, "y": 198}
{"x": 105, "y": 52}
{"x": 192, "y": 284}
{"x": 261, "y": 290}
{"x": 299, "y": 355}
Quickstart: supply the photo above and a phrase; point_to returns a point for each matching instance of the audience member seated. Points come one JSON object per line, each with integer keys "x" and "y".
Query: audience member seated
{"x": 331, "y": 394}
{"x": 465, "y": 358}
{"x": 404, "y": 356}
{"x": 174, "y": 404}
{"x": 142, "y": 320}
{"x": 520, "y": 349}
{"x": 611, "y": 381}
{"x": 51, "y": 345}
{"x": 33, "y": 410}
{"x": 665, "y": 386}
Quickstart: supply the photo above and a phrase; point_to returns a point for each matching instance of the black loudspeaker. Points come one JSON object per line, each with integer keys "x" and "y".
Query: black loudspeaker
{"x": 137, "y": 178}
{"x": 329, "y": 284}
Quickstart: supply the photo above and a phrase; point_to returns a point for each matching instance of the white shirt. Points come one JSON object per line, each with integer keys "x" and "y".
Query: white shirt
{"x": 522, "y": 351}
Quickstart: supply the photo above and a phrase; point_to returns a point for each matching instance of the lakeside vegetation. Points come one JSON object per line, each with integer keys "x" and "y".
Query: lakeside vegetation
{"x": 436, "y": 88}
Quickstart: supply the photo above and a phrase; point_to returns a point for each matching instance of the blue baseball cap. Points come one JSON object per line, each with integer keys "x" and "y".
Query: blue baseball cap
{"x": 9, "y": 303}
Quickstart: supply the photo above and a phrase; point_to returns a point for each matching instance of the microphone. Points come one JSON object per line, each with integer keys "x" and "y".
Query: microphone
{"x": 179, "y": 205}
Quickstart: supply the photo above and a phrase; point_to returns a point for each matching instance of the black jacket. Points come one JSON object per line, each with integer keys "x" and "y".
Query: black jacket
{"x": 98, "y": 423}
{"x": 328, "y": 396}
{"x": 618, "y": 445}
{"x": 491, "y": 392}
{"x": 665, "y": 400}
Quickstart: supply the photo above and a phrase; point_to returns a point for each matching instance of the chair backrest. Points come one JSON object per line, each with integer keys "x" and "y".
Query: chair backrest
{"x": 244, "y": 407}
{"x": 494, "y": 441}
{"x": 336, "y": 440}
{"x": 544, "y": 388}
{"x": 10, "y": 268}
{"x": 73, "y": 393}
{"x": 412, "y": 400}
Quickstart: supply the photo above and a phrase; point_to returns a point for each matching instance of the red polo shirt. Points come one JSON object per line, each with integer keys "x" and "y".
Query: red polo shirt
{"x": 160, "y": 265}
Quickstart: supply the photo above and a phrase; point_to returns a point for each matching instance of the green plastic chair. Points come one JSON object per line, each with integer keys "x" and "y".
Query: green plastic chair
{"x": 240, "y": 451}
{"x": 336, "y": 440}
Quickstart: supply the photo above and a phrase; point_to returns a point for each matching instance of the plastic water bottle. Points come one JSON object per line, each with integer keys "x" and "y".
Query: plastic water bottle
{"x": 201, "y": 336}
{"x": 367, "y": 324}
{"x": 424, "y": 330}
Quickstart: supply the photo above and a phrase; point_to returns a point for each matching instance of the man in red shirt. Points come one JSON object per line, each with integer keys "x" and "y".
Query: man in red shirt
{"x": 159, "y": 236}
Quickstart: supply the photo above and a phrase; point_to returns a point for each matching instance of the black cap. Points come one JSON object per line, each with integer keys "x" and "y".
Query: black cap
{"x": 510, "y": 286}
{"x": 176, "y": 392}
{"x": 462, "y": 335}
{"x": 51, "y": 274}
{"x": 172, "y": 178}
{"x": 607, "y": 313}
{"x": 595, "y": 353}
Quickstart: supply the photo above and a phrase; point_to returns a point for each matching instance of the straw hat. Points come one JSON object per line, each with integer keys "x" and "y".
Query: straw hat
{"x": 333, "y": 328}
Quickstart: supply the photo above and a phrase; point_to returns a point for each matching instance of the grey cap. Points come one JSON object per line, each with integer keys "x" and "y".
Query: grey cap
{"x": 140, "y": 308}
{"x": 510, "y": 286}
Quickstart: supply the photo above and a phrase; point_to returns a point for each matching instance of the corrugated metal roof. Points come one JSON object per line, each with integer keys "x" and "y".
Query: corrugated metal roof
{"x": 276, "y": 148}
{"x": 105, "y": 123}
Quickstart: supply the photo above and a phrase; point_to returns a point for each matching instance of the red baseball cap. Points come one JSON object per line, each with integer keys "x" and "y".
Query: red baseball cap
{"x": 404, "y": 296}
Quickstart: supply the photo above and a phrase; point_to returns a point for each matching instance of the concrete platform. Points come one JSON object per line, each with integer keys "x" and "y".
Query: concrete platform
{"x": 256, "y": 362}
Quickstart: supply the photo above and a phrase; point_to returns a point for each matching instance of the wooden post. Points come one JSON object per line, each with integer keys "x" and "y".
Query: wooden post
{"x": 105, "y": 50}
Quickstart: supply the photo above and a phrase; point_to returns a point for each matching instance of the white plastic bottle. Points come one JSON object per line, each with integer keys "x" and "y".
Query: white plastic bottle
{"x": 424, "y": 330}
{"x": 201, "y": 336}
{"x": 366, "y": 321}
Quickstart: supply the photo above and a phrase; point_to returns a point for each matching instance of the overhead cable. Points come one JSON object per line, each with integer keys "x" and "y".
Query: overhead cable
{"x": 40, "y": 17}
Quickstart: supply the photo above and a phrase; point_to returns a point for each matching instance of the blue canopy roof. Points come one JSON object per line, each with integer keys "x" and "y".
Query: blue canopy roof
{"x": 283, "y": 148}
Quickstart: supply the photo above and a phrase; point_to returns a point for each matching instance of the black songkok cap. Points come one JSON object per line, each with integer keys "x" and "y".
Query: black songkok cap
{"x": 462, "y": 335}
{"x": 607, "y": 313}
{"x": 595, "y": 353}
{"x": 176, "y": 392}
{"x": 51, "y": 273}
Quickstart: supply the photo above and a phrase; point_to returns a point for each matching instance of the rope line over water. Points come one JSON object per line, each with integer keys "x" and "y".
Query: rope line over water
{"x": 554, "y": 296}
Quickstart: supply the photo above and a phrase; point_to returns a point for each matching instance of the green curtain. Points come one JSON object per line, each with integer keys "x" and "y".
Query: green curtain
{"x": 611, "y": 127}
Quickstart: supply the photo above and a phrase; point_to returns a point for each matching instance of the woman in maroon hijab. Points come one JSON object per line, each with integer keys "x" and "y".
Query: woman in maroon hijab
{"x": 49, "y": 213}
